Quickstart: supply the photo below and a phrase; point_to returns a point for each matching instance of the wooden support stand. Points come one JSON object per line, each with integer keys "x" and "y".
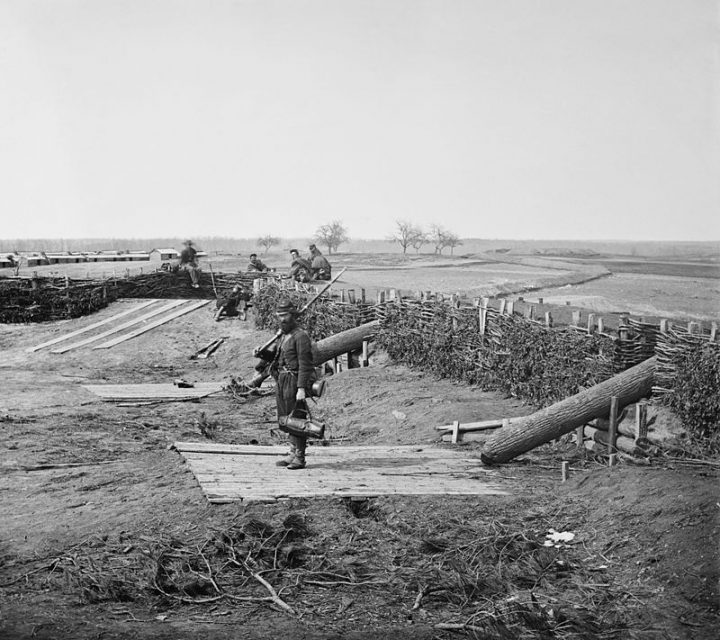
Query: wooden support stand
{"x": 612, "y": 431}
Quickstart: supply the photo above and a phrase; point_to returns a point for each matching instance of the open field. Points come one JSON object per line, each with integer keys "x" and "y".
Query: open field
{"x": 642, "y": 295}
{"x": 95, "y": 504}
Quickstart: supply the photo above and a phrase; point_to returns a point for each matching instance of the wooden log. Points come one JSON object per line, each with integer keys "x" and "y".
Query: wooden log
{"x": 343, "y": 342}
{"x": 567, "y": 415}
{"x": 622, "y": 427}
{"x": 622, "y": 443}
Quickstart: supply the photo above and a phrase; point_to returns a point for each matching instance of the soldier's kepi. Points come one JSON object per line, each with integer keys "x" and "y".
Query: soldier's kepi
{"x": 267, "y": 352}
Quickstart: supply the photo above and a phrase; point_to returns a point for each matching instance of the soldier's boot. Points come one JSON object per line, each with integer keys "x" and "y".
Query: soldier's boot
{"x": 298, "y": 461}
{"x": 288, "y": 459}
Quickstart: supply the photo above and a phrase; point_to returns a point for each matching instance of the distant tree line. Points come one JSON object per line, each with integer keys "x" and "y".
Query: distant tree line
{"x": 408, "y": 234}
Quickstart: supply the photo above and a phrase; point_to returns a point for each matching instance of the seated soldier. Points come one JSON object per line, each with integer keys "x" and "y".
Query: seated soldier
{"x": 188, "y": 262}
{"x": 256, "y": 264}
{"x": 232, "y": 305}
{"x": 300, "y": 268}
{"x": 319, "y": 266}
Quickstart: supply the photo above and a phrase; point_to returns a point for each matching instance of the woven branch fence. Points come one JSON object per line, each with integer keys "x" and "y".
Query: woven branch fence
{"x": 42, "y": 299}
{"x": 498, "y": 349}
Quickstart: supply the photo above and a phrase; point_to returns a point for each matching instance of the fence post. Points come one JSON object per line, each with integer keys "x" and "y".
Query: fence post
{"x": 365, "y": 362}
{"x": 641, "y": 421}
{"x": 580, "y": 436}
{"x": 612, "y": 428}
{"x": 510, "y": 308}
{"x": 501, "y": 308}
{"x": 591, "y": 322}
{"x": 576, "y": 316}
{"x": 482, "y": 315}
{"x": 351, "y": 296}
{"x": 713, "y": 332}
{"x": 600, "y": 325}
{"x": 548, "y": 319}
{"x": 362, "y": 296}
{"x": 455, "y": 432}
{"x": 623, "y": 329}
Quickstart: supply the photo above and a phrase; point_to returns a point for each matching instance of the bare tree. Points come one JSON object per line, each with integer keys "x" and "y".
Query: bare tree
{"x": 437, "y": 237}
{"x": 405, "y": 234}
{"x": 452, "y": 241}
{"x": 419, "y": 240}
{"x": 331, "y": 235}
{"x": 442, "y": 238}
{"x": 267, "y": 242}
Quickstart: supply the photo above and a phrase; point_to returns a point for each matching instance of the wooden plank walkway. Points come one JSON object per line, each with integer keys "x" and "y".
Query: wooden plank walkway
{"x": 231, "y": 473}
{"x": 90, "y": 327}
{"x": 125, "y": 325}
{"x": 163, "y": 391}
{"x": 155, "y": 323}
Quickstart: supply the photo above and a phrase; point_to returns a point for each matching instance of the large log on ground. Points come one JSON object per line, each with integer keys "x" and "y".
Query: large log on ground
{"x": 344, "y": 342}
{"x": 563, "y": 417}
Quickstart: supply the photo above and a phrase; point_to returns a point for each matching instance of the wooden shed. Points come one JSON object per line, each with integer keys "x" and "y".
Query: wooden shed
{"x": 163, "y": 255}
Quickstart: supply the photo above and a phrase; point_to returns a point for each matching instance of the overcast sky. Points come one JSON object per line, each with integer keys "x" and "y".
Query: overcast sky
{"x": 545, "y": 119}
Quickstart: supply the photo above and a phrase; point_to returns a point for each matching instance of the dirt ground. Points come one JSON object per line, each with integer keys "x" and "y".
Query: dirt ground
{"x": 94, "y": 501}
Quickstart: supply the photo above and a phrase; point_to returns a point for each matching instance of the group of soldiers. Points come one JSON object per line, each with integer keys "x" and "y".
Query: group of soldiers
{"x": 314, "y": 267}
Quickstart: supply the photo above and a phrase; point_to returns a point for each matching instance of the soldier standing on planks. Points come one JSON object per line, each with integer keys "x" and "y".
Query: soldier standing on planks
{"x": 294, "y": 375}
{"x": 188, "y": 262}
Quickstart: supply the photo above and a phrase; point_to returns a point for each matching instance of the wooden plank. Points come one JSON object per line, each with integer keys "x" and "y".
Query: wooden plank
{"x": 473, "y": 426}
{"x": 247, "y": 472}
{"x": 152, "y": 391}
{"x": 332, "y": 450}
{"x": 152, "y": 325}
{"x": 122, "y": 327}
{"x": 90, "y": 327}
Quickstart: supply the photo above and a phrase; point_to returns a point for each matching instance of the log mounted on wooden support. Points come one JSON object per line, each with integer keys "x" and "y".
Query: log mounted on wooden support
{"x": 344, "y": 342}
{"x": 565, "y": 416}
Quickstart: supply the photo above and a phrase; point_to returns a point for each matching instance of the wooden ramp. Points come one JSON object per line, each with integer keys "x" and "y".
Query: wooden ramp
{"x": 230, "y": 473}
{"x": 152, "y": 392}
